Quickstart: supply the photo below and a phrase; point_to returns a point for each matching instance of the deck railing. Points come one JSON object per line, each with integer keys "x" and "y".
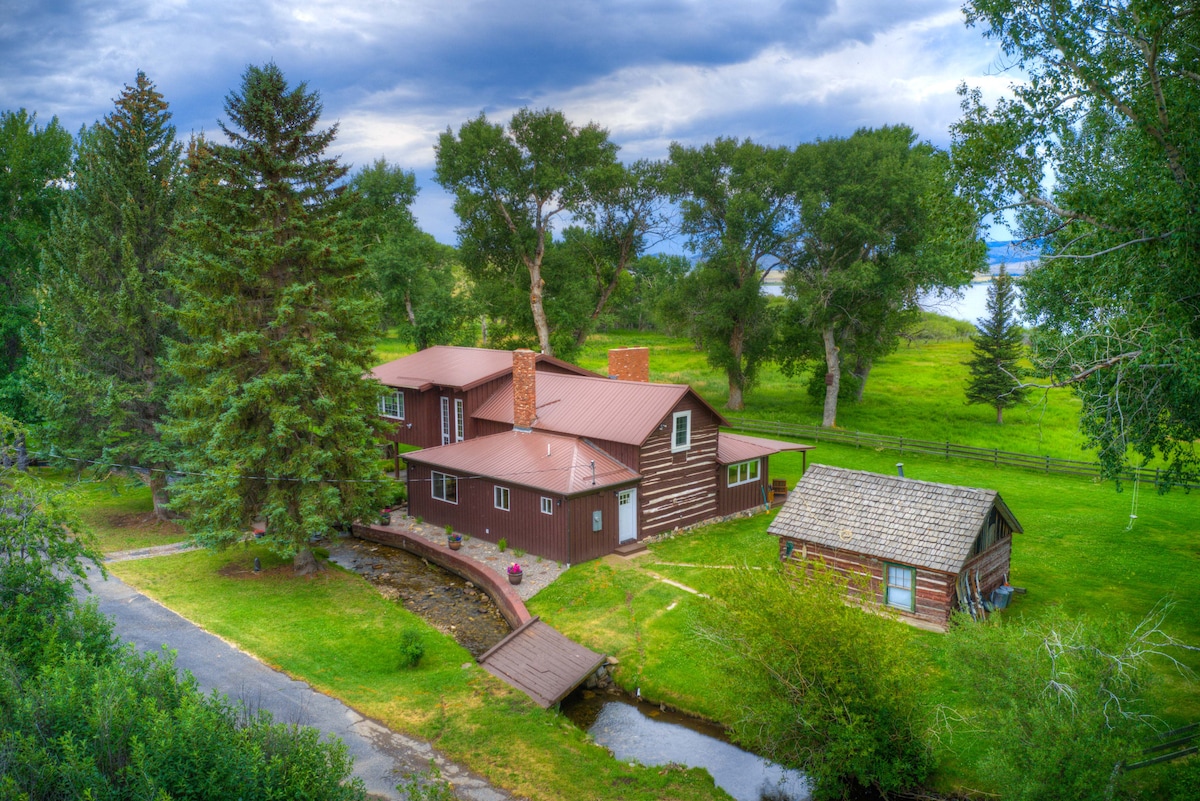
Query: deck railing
{"x": 948, "y": 450}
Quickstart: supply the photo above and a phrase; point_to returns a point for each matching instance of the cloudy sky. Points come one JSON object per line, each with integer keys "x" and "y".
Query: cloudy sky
{"x": 396, "y": 73}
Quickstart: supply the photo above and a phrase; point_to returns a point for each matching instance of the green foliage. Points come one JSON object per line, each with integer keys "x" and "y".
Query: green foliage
{"x": 429, "y": 786}
{"x": 653, "y": 279}
{"x": 511, "y": 185}
{"x": 411, "y": 647}
{"x": 878, "y": 222}
{"x": 34, "y": 159}
{"x": 824, "y": 686}
{"x": 424, "y": 293}
{"x": 272, "y": 415}
{"x": 998, "y": 347}
{"x": 104, "y": 300}
{"x": 502, "y": 544}
{"x": 736, "y": 204}
{"x": 1094, "y": 155}
{"x": 1066, "y": 699}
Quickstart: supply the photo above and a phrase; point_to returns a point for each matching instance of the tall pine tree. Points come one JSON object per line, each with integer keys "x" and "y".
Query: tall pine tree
{"x": 105, "y": 297}
{"x": 273, "y": 415}
{"x": 998, "y": 348}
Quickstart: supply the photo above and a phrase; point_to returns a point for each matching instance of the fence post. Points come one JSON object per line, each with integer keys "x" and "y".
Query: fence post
{"x": 996, "y": 457}
{"x": 1047, "y": 463}
{"x": 947, "y": 450}
{"x": 902, "y": 446}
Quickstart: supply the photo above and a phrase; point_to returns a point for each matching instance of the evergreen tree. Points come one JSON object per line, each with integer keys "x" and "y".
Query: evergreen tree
{"x": 273, "y": 415}
{"x": 995, "y": 372}
{"x": 105, "y": 297}
{"x": 33, "y": 162}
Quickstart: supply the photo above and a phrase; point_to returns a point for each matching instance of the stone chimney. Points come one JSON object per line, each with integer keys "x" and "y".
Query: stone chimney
{"x": 629, "y": 364}
{"x": 524, "y": 389}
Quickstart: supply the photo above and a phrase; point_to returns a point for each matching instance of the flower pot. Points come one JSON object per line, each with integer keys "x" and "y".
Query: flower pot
{"x": 515, "y": 578}
{"x": 454, "y": 544}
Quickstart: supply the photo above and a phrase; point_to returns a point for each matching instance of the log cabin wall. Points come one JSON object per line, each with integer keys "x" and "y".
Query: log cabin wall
{"x": 993, "y": 565}
{"x": 934, "y": 591}
{"x": 678, "y": 489}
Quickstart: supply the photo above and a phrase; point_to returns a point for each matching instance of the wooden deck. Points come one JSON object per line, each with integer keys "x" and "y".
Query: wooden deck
{"x": 540, "y": 662}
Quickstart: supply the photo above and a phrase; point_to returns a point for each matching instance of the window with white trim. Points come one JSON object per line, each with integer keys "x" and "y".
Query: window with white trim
{"x": 901, "y": 587}
{"x": 445, "y": 487}
{"x": 459, "y": 420}
{"x": 743, "y": 472}
{"x": 547, "y": 505}
{"x": 681, "y": 431}
{"x": 502, "y": 498}
{"x": 391, "y": 404}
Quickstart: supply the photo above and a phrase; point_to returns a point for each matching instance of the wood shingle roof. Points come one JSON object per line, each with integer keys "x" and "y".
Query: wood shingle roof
{"x": 913, "y": 522}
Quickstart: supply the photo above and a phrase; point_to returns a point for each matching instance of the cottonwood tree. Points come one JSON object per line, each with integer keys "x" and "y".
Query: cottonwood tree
{"x": 272, "y": 414}
{"x": 998, "y": 345}
{"x": 878, "y": 222}
{"x": 105, "y": 296}
{"x": 422, "y": 286}
{"x": 512, "y": 184}
{"x": 34, "y": 162}
{"x": 738, "y": 213}
{"x": 1094, "y": 157}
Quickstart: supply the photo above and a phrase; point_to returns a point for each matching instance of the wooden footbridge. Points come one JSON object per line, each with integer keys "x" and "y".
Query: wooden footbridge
{"x": 534, "y": 658}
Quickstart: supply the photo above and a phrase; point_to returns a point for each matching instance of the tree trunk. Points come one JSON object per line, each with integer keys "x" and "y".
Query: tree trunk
{"x": 305, "y": 563}
{"x": 833, "y": 378}
{"x": 22, "y": 453}
{"x": 737, "y": 378}
{"x": 999, "y": 415}
{"x": 537, "y": 288}
{"x": 160, "y": 495}
{"x": 862, "y": 371}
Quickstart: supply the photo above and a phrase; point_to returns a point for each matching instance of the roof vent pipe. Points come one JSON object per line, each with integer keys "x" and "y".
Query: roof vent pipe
{"x": 593, "y": 472}
{"x": 900, "y": 469}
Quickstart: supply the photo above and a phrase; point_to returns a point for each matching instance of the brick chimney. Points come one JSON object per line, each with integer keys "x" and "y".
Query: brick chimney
{"x": 629, "y": 364}
{"x": 524, "y": 389}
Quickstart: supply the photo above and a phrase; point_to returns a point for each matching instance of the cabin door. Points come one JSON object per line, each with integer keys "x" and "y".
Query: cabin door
{"x": 627, "y": 515}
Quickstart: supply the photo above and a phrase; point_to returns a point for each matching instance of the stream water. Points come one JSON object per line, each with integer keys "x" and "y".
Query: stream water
{"x": 632, "y": 731}
{"x": 644, "y": 733}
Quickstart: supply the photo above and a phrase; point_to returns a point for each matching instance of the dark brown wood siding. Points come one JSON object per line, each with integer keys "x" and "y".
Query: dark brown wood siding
{"x": 565, "y": 535}
{"x": 678, "y": 489}
{"x": 993, "y": 565}
{"x": 731, "y": 500}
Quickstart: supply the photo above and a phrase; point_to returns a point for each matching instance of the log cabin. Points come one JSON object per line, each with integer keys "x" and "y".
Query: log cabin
{"x": 920, "y": 548}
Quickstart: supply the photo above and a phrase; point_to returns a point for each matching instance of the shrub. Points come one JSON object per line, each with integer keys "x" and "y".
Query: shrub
{"x": 502, "y": 544}
{"x": 412, "y": 648}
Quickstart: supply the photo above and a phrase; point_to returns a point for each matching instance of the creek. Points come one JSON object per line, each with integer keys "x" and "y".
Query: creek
{"x": 633, "y": 731}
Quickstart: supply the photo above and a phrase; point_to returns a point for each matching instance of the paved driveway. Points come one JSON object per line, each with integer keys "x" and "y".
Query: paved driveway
{"x": 381, "y": 756}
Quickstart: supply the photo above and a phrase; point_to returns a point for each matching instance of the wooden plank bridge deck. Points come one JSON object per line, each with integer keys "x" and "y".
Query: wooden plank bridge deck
{"x": 540, "y": 662}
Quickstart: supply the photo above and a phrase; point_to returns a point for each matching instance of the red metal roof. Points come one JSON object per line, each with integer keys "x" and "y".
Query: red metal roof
{"x": 546, "y": 462}
{"x": 733, "y": 448}
{"x": 452, "y": 366}
{"x": 597, "y": 408}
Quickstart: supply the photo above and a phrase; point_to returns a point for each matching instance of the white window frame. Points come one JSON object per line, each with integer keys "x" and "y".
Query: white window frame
{"x": 439, "y": 482}
{"x": 391, "y": 404}
{"x": 676, "y": 445}
{"x": 900, "y": 588}
{"x": 445, "y": 417}
{"x": 502, "y": 498}
{"x": 460, "y": 422}
{"x": 547, "y": 505}
{"x": 743, "y": 472}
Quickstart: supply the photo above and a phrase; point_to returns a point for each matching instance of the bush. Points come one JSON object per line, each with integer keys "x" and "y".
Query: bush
{"x": 823, "y": 686}
{"x": 502, "y": 544}
{"x": 412, "y": 648}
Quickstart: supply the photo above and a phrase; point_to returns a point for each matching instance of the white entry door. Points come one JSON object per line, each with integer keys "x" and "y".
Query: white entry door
{"x": 627, "y": 515}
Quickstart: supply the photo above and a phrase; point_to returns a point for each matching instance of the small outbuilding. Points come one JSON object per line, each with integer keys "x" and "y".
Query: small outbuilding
{"x": 921, "y": 547}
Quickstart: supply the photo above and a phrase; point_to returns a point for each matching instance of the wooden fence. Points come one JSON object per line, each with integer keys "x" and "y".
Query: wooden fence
{"x": 948, "y": 450}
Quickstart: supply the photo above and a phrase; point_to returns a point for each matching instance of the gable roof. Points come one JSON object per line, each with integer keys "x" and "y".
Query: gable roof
{"x": 597, "y": 408}
{"x": 453, "y": 366}
{"x": 914, "y": 522}
{"x": 533, "y": 459}
{"x": 733, "y": 448}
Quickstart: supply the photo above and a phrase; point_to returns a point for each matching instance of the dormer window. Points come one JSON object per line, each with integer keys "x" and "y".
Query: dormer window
{"x": 391, "y": 404}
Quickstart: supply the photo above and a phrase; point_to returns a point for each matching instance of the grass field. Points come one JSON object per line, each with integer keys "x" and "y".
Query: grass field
{"x": 1080, "y": 551}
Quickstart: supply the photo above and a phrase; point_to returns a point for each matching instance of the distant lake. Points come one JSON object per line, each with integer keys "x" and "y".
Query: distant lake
{"x": 971, "y": 306}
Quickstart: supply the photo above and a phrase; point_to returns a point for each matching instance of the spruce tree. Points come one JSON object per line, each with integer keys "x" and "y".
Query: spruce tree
{"x": 105, "y": 297}
{"x": 998, "y": 347}
{"x": 273, "y": 415}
